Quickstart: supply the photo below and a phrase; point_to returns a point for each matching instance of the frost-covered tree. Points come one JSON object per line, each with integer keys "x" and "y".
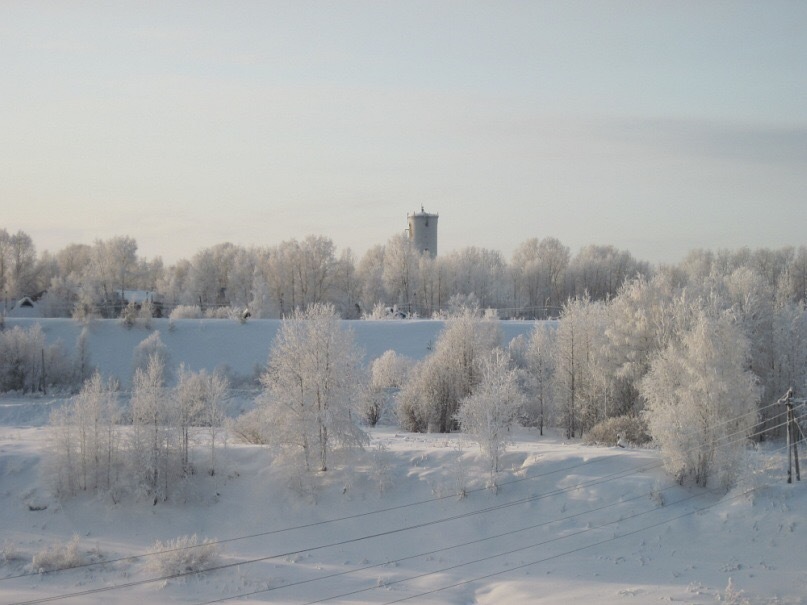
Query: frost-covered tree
{"x": 197, "y": 402}
{"x": 315, "y": 268}
{"x": 151, "y": 444}
{"x": 637, "y": 328}
{"x": 346, "y": 287}
{"x": 112, "y": 269}
{"x": 701, "y": 401}
{"x": 579, "y": 381}
{"x": 540, "y": 370}
{"x": 83, "y": 367}
{"x": 370, "y": 272}
{"x": 209, "y": 275}
{"x": 174, "y": 285}
{"x": 149, "y": 347}
{"x": 538, "y": 268}
{"x": 600, "y": 271}
{"x": 475, "y": 271}
{"x": 488, "y": 414}
{"x": 86, "y": 449}
{"x": 213, "y": 416}
{"x": 388, "y": 374}
{"x": 189, "y": 403}
{"x": 18, "y": 265}
{"x": 401, "y": 263}
{"x": 790, "y": 357}
{"x": 311, "y": 386}
{"x": 23, "y": 359}
{"x": 430, "y": 399}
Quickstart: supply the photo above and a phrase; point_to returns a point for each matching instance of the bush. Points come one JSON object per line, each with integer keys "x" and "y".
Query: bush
{"x": 183, "y": 555}
{"x": 249, "y": 428}
{"x": 28, "y": 364}
{"x": 58, "y": 556}
{"x": 186, "y": 312}
{"x": 632, "y": 429}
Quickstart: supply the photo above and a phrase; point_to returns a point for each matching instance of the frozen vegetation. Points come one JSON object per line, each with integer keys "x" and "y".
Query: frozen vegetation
{"x": 164, "y": 501}
{"x": 635, "y": 447}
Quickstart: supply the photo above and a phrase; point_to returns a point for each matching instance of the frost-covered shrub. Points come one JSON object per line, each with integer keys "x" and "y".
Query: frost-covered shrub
{"x": 128, "y": 316}
{"x": 249, "y": 428}
{"x": 9, "y": 553}
{"x": 183, "y": 555}
{"x": 371, "y": 404}
{"x": 390, "y": 370}
{"x": 137, "y": 314}
{"x": 382, "y": 311}
{"x": 151, "y": 346}
{"x": 632, "y": 429}
{"x": 380, "y": 468}
{"x": 28, "y": 364}
{"x": 186, "y": 312}
{"x": 219, "y": 313}
{"x": 61, "y": 555}
{"x": 387, "y": 375}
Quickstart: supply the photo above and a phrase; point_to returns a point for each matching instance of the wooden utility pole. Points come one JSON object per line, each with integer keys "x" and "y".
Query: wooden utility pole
{"x": 792, "y": 439}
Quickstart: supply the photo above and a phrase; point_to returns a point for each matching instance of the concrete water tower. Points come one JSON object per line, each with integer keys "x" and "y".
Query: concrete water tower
{"x": 423, "y": 231}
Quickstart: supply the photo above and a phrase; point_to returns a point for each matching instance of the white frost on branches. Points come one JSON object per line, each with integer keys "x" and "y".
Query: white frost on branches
{"x": 701, "y": 401}
{"x": 311, "y": 386}
{"x": 488, "y": 414}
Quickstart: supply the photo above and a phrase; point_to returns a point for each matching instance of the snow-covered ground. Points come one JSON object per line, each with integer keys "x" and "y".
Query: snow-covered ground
{"x": 213, "y": 344}
{"x": 567, "y": 523}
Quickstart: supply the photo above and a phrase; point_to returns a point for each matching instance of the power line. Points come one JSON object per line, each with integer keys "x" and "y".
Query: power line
{"x": 424, "y": 524}
{"x": 550, "y": 558}
{"x": 604, "y": 479}
{"x": 135, "y": 557}
{"x": 474, "y": 542}
{"x": 443, "y": 549}
{"x": 306, "y": 525}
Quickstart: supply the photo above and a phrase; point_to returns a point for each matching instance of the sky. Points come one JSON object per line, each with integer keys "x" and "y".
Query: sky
{"x": 654, "y": 126}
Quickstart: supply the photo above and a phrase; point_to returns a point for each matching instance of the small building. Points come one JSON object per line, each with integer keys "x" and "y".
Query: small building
{"x": 25, "y": 307}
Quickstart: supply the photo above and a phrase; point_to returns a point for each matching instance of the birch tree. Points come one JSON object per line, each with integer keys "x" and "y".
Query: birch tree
{"x": 701, "y": 401}
{"x": 488, "y": 414}
{"x": 311, "y": 386}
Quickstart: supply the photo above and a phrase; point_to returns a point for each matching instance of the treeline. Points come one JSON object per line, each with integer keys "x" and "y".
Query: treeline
{"x": 272, "y": 281}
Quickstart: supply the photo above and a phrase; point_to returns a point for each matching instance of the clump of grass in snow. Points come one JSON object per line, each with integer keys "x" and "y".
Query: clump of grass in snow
{"x": 62, "y": 555}
{"x": 183, "y": 555}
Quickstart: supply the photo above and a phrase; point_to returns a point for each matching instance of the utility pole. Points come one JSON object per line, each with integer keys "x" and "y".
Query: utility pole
{"x": 792, "y": 438}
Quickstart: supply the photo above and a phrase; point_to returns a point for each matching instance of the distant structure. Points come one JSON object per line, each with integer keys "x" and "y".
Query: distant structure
{"x": 423, "y": 231}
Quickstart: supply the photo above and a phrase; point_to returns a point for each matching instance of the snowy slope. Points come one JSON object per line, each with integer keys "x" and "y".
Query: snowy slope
{"x": 210, "y": 344}
{"x": 568, "y": 523}
{"x": 591, "y": 524}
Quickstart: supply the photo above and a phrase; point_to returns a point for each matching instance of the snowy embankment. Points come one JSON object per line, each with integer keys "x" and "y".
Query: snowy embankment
{"x": 204, "y": 344}
{"x": 566, "y": 523}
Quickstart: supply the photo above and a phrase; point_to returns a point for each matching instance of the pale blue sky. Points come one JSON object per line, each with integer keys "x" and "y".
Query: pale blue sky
{"x": 653, "y": 126}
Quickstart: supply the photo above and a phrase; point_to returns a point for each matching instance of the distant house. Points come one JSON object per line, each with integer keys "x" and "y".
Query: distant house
{"x": 25, "y": 307}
